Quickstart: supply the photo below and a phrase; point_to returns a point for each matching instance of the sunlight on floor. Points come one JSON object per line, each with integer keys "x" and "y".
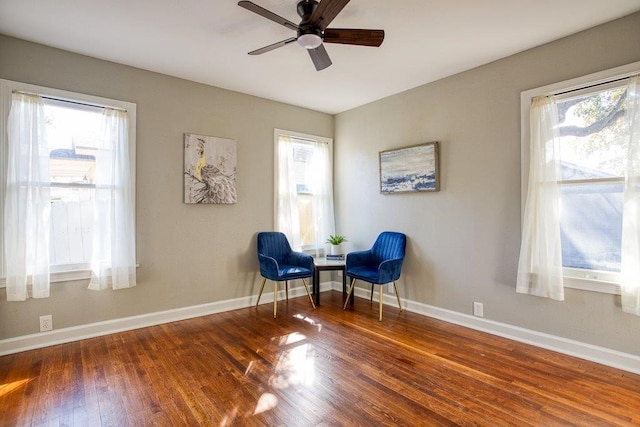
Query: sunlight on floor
{"x": 308, "y": 320}
{"x": 9, "y": 387}
{"x": 266, "y": 402}
{"x": 292, "y": 338}
{"x": 293, "y": 364}
{"x": 230, "y": 417}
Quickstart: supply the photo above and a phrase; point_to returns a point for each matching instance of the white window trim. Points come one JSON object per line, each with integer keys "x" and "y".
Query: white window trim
{"x": 63, "y": 276}
{"x": 322, "y": 139}
{"x": 588, "y": 280}
{"x": 72, "y": 271}
{"x": 278, "y": 132}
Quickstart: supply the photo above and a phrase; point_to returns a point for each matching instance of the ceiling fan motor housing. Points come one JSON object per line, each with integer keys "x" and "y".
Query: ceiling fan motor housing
{"x": 309, "y": 36}
{"x": 305, "y": 9}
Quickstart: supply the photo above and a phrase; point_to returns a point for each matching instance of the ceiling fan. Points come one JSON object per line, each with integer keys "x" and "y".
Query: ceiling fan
{"x": 312, "y": 30}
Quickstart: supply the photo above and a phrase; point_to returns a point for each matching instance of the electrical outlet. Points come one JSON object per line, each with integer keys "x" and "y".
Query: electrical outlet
{"x": 46, "y": 323}
{"x": 478, "y": 309}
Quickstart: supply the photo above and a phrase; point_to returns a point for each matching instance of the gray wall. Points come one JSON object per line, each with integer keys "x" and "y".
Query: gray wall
{"x": 188, "y": 254}
{"x": 464, "y": 241}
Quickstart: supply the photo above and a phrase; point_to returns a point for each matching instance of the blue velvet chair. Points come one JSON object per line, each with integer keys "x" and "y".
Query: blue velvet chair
{"x": 379, "y": 265}
{"x": 278, "y": 262}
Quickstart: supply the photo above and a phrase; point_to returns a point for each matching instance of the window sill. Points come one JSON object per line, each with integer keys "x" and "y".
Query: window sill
{"x": 603, "y": 282}
{"x": 62, "y": 276}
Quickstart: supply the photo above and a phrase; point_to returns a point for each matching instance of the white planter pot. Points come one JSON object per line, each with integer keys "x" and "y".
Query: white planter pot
{"x": 335, "y": 249}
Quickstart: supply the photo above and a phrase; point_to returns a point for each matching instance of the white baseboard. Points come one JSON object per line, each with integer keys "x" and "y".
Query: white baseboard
{"x": 76, "y": 333}
{"x": 605, "y": 356}
{"x": 625, "y": 361}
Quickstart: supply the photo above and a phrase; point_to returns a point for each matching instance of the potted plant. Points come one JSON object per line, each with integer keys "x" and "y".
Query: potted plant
{"x": 336, "y": 240}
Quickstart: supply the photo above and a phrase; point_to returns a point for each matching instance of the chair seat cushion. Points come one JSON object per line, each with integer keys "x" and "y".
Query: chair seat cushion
{"x": 290, "y": 272}
{"x": 366, "y": 273}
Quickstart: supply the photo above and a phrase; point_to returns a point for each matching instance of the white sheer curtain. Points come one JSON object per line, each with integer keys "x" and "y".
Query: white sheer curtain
{"x": 321, "y": 179}
{"x": 114, "y": 254}
{"x": 286, "y": 204}
{"x": 630, "y": 269}
{"x": 28, "y": 200}
{"x": 540, "y": 265}
{"x": 318, "y": 177}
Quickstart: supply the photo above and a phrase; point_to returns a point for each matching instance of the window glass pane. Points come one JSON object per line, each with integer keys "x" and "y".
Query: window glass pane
{"x": 302, "y": 156}
{"x": 593, "y": 147}
{"x": 303, "y": 153}
{"x": 591, "y": 226}
{"x": 593, "y": 135}
{"x": 305, "y": 210}
{"x": 71, "y": 231}
{"x": 73, "y": 132}
{"x": 72, "y": 135}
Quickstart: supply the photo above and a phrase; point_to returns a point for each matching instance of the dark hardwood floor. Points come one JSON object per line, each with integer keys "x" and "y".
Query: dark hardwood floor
{"x": 308, "y": 368}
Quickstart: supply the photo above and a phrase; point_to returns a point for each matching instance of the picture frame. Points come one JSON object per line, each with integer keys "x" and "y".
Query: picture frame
{"x": 410, "y": 169}
{"x": 209, "y": 169}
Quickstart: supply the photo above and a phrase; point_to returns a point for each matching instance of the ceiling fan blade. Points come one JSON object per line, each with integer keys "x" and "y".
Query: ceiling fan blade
{"x": 354, "y": 36}
{"x": 267, "y": 14}
{"x": 320, "y": 57}
{"x": 272, "y": 46}
{"x": 326, "y": 11}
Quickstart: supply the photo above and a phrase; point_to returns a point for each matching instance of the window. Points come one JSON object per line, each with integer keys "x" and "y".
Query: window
{"x": 73, "y": 132}
{"x": 590, "y": 162}
{"x": 303, "y": 152}
{"x": 593, "y": 151}
{"x": 303, "y": 189}
{"x": 84, "y": 183}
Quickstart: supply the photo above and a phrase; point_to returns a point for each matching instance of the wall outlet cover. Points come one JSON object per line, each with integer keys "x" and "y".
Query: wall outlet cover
{"x": 478, "y": 309}
{"x": 46, "y": 323}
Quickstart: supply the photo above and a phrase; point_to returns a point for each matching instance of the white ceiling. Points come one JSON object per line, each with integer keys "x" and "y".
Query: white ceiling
{"x": 207, "y": 40}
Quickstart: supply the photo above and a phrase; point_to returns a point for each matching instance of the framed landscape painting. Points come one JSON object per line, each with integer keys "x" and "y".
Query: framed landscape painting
{"x": 209, "y": 169}
{"x": 408, "y": 169}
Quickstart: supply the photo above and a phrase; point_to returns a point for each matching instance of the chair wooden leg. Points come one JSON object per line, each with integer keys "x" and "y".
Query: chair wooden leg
{"x": 261, "y": 289}
{"x": 381, "y": 302}
{"x": 304, "y": 282}
{"x": 353, "y": 282}
{"x": 395, "y": 286}
{"x": 275, "y": 298}
{"x": 371, "y": 299}
{"x": 286, "y": 289}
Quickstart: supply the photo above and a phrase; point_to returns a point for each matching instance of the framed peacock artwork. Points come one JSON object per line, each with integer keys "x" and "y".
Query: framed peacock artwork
{"x": 209, "y": 169}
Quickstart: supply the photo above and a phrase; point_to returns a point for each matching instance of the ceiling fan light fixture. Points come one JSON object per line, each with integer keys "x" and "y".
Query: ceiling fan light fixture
{"x": 309, "y": 41}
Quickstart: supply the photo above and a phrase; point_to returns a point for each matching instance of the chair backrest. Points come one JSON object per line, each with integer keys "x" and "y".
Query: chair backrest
{"x": 273, "y": 244}
{"x": 389, "y": 245}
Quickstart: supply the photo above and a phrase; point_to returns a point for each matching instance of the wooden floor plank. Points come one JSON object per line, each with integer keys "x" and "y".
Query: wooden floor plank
{"x": 311, "y": 367}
